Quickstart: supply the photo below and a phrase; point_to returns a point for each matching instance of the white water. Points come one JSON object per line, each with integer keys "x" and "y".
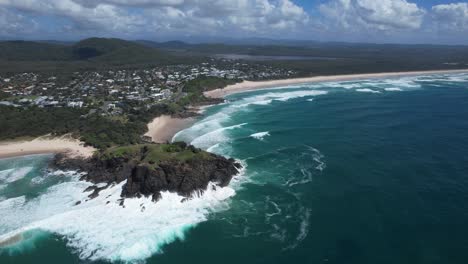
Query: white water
{"x": 268, "y": 98}
{"x": 393, "y": 89}
{"x": 214, "y": 137}
{"x": 12, "y": 175}
{"x": 260, "y": 135}
{"x": 367, "y": 90}
{"x": 211, "y": 132}
{"x": 102, "y": 229}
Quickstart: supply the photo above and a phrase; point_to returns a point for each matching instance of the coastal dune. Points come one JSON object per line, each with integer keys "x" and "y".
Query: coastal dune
{"x": 43, "y": 145}
{"x": 246, "y": 86}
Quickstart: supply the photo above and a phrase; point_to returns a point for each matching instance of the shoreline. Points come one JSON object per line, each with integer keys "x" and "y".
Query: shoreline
{"x": 247, "y": 86}
{"x": 73, "y": 148}
{"x": 163, "y": 128}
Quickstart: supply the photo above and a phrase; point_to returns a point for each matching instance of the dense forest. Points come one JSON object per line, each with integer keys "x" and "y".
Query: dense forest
{"x": 88, "y": 54}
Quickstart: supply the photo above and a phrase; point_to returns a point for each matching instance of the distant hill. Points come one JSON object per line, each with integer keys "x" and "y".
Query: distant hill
{"x": 119, "y": 51}
{"x": 92, "y": 53}
{"x": 166, "y": 45}
{"x": 33, "y": 51}
{"x": 105, "y": 53}
{"x": 93, "y": 49}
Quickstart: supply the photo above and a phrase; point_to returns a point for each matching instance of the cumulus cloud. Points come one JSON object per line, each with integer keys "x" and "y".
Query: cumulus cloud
{"x": 103, "y": 16}
{"x": 260, "y": 17}
{"x": 451, "y": 17}
{"x": 382, "y": 15}
{"x": 355, "y": 20}
{"x": 164, "y": 16}
{"x": 134, "y": 3}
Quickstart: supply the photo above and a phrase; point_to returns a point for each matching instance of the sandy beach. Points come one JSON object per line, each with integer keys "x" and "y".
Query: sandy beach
{"x": 246, "y": 86}
{"x": 43, "y": 145}
{"x": 163, "y": 128}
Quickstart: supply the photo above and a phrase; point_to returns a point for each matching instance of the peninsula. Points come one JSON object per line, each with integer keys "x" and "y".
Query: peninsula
{"x": 150, "y": 169}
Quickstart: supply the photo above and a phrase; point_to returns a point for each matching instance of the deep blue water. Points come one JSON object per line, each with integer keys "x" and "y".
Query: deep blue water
{"x": 372, "y": 171}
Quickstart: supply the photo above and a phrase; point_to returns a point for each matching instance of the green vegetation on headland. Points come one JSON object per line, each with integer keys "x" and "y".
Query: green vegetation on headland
{"x": 194, "y": 90}
{"x": 155, "y": 153}
{"x": 203, "y": 84}
{"x": 150, "y": 169}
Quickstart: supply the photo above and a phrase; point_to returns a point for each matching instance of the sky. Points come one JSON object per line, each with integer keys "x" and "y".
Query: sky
{"x": 371, "y": 21}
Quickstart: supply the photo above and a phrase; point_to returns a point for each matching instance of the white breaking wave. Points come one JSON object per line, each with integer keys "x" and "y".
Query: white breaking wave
{"x": 268, "y": 98}
{"x": 101, "y": 229}
{"x": 367, "y": 90}
{"x": 12, "y": 175}
{"x": 215, "y": 137}
{"x": 393, "y": 89}
{"x": 210, "y": 132}
{"x": 260, "y": 135}
{"x": 453, "y": 78}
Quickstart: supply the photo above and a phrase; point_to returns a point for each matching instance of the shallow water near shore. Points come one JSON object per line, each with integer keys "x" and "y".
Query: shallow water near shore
{"x": 372, "y": 171}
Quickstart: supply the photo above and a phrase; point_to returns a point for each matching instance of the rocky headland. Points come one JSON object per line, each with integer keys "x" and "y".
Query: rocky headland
{"x": 150, "y": 169}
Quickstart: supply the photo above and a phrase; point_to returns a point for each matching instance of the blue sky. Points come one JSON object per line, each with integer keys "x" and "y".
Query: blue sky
{"x": 378, "y": 21}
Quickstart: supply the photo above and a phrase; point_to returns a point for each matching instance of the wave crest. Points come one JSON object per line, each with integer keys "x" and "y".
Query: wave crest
{"x": 260, "y": 135}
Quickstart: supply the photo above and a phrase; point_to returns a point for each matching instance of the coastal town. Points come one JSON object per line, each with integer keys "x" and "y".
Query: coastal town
{"x": 107, "y": 91}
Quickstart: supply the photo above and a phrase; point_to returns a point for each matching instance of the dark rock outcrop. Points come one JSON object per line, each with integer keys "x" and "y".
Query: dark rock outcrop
{"x": 182, "y": 177}
{"x": 145, "y": 179}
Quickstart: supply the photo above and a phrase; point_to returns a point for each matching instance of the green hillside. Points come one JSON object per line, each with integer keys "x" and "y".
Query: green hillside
{"x": 88, "y": 54}
{"x": 33, "y": 51}
{"x": 96, "y": 49}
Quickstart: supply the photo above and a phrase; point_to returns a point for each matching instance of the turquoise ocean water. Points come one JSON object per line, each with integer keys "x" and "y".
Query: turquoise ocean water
{"x": 371, "y": 171}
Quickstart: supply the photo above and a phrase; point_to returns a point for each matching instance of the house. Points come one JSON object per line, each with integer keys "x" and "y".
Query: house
{"x": 51, "y": 104}
{"x": 157, "y": 96}
{"x": 75, "y": 104}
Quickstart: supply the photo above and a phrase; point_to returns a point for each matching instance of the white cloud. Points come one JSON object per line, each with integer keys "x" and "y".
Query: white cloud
{"x": 451, "y": 17}
{"x": 168, "y": 16}
{"x": 143, "y": 3}
{"x": 219, "y": 16}
{"x": 344, "y": 20}
{"x": 102, "y": 16}
{"x": 382, "y": 15}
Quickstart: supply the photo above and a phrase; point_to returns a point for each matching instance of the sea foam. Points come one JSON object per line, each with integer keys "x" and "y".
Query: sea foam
{"x": 260, "y": 135}
{"x": 101, "y": 229}
{"x": 268, "y": 98}
{"x": 12, "y": 175}
{"x": 215, "y": 137}
{"x": 211, "y": 132}
{"x": 393, "y": 89}
{"x": 367, "y": 90}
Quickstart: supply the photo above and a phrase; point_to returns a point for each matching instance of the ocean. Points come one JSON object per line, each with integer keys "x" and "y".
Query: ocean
{"x": 370, "y": 171}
